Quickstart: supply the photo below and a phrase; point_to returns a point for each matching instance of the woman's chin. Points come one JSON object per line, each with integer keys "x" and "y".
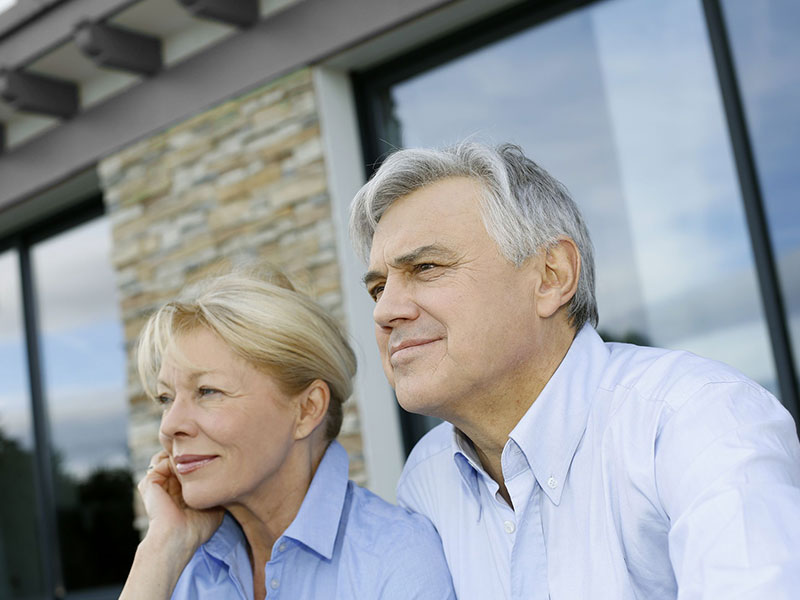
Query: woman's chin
{"x": 202, "y": 501}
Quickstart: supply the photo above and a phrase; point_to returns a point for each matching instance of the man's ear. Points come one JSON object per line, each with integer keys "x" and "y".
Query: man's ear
{"x": 560, "y": 272}
{"x": 313, "y": 408}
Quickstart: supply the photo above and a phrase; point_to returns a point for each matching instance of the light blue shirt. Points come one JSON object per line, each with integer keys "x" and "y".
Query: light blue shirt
{"x": 637, "y": 473}
{"x": 344, "y": 544}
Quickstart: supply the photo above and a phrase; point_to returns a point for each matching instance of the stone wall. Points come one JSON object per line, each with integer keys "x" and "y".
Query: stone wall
{"x": 244, "y": 179}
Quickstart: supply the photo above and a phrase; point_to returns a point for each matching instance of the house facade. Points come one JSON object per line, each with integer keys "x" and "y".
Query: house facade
{"x": 147, "y": 143}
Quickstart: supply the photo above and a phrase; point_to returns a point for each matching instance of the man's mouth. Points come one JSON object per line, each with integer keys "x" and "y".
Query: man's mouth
{"x": 408, "y": 348}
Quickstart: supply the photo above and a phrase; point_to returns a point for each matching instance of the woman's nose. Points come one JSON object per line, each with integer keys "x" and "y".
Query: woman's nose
{"x": 178, "y": 418}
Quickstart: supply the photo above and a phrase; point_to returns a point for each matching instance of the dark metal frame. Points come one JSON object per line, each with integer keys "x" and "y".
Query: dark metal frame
{"x": 22, "y": 242}
{"x": 371, "y": 85}
{"x": 741, "y": 142}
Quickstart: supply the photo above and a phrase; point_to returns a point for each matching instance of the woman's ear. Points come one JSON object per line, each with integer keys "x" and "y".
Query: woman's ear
{"x": 313, "y": 408}
{"x": 562, "y": 267}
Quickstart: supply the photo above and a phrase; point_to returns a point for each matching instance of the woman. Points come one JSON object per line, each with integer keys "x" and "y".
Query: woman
{"x": 250, "y": 496}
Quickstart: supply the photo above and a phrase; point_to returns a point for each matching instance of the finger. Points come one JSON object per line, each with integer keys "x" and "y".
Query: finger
{"x": 161, "y": 465}
{"x": 158, "y": 471}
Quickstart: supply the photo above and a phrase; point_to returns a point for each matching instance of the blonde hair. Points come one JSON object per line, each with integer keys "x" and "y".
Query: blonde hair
{"x": 265, "y": 321}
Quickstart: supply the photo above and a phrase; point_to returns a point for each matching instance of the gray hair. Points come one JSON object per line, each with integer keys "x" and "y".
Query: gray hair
{"x": 264, "y": 320}
{"x": 524, "y": 208}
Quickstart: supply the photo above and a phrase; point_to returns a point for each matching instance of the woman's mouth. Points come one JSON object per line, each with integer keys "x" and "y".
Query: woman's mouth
{"x": 188, "y": 463}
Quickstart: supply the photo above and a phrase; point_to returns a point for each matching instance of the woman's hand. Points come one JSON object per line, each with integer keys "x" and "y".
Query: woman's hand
{"x": 171, "y": 520}
{"x": 174, "y": 534}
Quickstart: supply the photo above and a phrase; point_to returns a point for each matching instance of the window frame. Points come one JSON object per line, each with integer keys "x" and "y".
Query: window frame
{"x": 22, "y": 242}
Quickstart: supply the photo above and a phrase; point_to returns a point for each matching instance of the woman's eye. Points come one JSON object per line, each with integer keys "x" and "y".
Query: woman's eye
{"x": 163, "y": 399}
{"x": 204, "y": 391}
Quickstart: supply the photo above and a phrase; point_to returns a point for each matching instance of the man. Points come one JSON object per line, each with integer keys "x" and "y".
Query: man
{"x": 569, "y": 468}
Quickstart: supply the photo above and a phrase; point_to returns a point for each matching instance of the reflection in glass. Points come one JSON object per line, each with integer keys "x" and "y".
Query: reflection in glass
{"x": 766, "y": 49}
{"x": 84, "y": 379}
{"x": 20, "y": 559}
{"x": 620, "y": 102}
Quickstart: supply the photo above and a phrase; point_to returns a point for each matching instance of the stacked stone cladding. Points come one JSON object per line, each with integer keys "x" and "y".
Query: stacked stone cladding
{"x": 245, "y": 179}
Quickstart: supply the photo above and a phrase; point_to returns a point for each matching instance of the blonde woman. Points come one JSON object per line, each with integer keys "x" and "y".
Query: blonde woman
{"x": 250, "y": 496}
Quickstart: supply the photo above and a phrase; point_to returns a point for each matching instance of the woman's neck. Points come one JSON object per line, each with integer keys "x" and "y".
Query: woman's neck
{"x": 266, "y": 515}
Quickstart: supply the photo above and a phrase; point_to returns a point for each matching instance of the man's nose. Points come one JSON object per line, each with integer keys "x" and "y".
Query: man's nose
{"x": 396, "y": 302}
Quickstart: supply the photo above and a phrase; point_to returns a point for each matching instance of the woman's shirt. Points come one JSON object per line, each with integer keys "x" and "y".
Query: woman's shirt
{"x": 344, "y": 543}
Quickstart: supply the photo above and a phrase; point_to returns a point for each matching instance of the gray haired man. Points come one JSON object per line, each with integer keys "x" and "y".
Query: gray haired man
{"x": 568, "y": 468}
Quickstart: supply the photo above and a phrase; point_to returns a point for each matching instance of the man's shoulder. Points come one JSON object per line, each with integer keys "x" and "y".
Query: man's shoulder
{"x": 384, "y": 530}
{"x": 373, "y": 512}
{"x": 432, "y": 451}
{"x": 430, "y": 473}
{"x": 671, "y": 377}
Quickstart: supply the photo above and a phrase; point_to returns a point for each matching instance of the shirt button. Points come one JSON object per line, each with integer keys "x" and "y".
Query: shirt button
{"x": 282, "y": 547}
{"x": 274, "y": 584}
{"x": 509, "y": 526}
{"x": 552, "y": 483}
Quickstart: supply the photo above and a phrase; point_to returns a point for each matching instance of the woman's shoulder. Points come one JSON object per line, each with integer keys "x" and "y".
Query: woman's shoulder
{"x": 372, "y": 521}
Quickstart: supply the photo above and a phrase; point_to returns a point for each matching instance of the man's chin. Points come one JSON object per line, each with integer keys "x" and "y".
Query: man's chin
{"x": 418, "y": 403}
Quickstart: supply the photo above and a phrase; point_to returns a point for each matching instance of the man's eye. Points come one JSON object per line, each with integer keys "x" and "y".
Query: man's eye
{"x": 376, "y": 292}
{"x": 424, "y": 267}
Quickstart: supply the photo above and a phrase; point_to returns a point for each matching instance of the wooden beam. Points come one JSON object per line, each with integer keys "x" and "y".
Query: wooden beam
{"x": 118, "y": 48}
{"x": 30, "y": 92}
{"x": 241, "y": 13}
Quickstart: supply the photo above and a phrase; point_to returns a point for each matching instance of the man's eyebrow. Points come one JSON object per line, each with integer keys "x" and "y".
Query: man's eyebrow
{"x": 410, "y": 258}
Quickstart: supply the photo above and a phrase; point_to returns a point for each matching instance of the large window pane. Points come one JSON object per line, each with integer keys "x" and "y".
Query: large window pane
{"x": 20, "y": 558}
{"x": 620, "y": 102}
{"x": 84, "y": 380}
{"x": 766, "y": 48}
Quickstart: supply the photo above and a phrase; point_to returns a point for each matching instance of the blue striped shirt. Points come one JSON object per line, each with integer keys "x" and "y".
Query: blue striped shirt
{"x": 345, "y": 543}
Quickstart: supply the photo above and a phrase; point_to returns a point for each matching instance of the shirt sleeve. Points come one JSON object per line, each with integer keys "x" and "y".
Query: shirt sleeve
{"x": 728, "y": 476}
{"x": 417, "y": 569}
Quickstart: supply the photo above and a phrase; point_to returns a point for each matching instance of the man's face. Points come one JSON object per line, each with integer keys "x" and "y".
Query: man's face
{"x": 455, "y": 321}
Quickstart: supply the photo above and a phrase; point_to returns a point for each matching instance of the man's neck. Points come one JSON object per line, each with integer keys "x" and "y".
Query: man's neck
{"x": 489, "y": 422}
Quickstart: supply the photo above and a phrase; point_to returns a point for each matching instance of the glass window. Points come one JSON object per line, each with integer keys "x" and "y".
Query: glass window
{"x": 766, "y": 50}
{"x": 20, "y": 557}
{"x": 83, "y": 356}
{"x": 619, "y": 101}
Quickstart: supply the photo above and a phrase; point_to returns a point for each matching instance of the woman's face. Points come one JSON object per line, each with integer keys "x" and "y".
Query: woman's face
{"x": 227, "y": 427}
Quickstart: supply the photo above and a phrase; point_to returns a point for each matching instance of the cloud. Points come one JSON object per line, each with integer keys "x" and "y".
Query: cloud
{"x": 74, "y": 277}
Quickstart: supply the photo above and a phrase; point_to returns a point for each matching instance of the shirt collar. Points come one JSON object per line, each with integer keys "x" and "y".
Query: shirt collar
{"x": 317, "y": 522}
{"x": 552, "y": 427}
{"x": 229, "y": 546}
{"x": 467, "y": 462}
{"x": 549, "y": 432}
